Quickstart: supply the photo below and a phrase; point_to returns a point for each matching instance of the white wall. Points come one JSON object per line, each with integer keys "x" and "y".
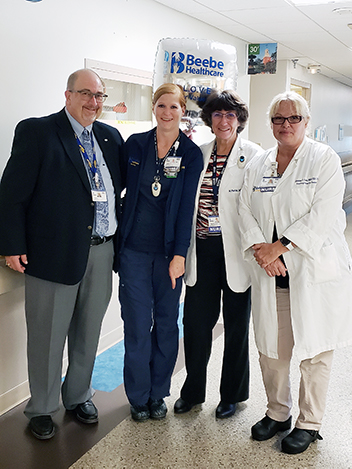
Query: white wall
{"x": 13, "y": 364}
{"x": 330, "y": 104}
{"x": 262, "y": 90}
{"x": 41, "y": 44}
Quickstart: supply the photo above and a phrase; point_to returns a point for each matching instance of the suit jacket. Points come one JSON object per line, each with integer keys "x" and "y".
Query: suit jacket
{"x": 180, "y": 202}
{"x": 46, "y": 208}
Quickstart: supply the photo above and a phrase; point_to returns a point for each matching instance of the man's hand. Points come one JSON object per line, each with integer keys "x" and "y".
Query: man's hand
{"x": 16, "y": 262}
{"x": 176, "y": 269}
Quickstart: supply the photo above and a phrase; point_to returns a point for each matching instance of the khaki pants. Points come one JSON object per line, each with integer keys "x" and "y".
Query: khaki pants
{"x": 315, "y": 373}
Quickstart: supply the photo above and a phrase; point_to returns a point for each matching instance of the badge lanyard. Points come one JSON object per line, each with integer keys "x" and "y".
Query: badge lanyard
{"x": 217, "y": 179}
{"x": 91, "y": 164}
{"x": 174, "y": 168}
{"x": 214, "y": 226}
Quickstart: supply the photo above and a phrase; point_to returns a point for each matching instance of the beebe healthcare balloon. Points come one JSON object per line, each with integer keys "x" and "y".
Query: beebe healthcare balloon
{"x": 199, "y": 66}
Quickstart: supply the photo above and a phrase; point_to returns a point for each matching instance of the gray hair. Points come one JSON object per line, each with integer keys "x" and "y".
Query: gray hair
{"x": 73, "y": 77}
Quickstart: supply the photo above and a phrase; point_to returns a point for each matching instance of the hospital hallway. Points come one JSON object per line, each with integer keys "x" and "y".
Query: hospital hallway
{"x": 192, "y": 440}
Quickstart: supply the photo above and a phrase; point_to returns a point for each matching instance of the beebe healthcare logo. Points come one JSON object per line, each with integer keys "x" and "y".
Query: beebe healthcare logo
{"x": 181, "y": 63}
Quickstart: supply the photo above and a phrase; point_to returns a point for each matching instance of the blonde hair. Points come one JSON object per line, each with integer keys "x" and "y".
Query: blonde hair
{"x": 299, "y": 103}
{"x": 172, "y": 89}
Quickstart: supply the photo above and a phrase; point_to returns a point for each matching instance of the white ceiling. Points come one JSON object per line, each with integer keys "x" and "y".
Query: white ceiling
{"x": 314, "y": 34}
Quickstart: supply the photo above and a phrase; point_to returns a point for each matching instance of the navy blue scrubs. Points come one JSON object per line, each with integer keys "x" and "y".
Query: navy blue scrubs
{"x": 149, "y": 305}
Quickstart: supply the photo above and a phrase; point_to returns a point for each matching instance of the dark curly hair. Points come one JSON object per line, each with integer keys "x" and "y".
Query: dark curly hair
{"x": 226, "y": 100}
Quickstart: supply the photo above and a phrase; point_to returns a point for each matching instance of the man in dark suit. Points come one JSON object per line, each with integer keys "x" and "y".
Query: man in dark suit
{"x": 59, "y": 211}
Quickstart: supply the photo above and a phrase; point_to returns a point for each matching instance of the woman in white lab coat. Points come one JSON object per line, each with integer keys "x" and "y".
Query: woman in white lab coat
{"x": 215, "y": 270}
{"x": 292, "y": 226}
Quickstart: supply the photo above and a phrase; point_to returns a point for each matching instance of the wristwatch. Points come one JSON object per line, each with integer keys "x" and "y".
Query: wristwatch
{"x": 286, "y": 243}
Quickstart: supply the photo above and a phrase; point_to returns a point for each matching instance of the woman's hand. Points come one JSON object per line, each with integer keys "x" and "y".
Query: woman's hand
{"x": 266, "y": 253}
{"x": 276, "y": 268}
{"x": 176, "y": 269}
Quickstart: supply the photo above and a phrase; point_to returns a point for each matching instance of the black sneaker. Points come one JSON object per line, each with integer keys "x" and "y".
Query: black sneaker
{"x": 157, "y": 408}
{"x": 140, "y": 413}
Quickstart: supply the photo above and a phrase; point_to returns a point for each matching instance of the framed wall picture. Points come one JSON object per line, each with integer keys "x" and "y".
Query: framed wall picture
{"x": 262, "y": 58}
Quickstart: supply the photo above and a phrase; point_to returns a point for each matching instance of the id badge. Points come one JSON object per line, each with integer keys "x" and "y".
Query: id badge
{"x": 99, "y": 196}
{"x": 172, "y": 166}
{"x": 270, "y": 180}
{"x": 214, "y": 224}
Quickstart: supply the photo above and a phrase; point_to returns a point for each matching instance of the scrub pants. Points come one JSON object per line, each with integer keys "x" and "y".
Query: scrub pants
{"x": 315, "y": 373}
{"x": 201, "y": 311}
{"x": 149, "y": 308}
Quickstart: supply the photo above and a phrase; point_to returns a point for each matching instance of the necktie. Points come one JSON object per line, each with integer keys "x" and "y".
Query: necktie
{"x": 97, "y": 184}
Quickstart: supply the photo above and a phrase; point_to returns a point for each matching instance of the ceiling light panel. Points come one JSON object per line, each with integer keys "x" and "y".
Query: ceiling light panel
{"x": 315, "y": 2}
{"x": 225, "y": 5}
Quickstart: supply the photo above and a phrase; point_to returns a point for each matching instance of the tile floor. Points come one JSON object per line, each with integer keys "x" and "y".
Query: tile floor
{"x": 198, "y": 440}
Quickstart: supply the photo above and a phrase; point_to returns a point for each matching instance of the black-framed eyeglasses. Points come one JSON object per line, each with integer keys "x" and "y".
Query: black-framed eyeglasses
{"x": 87, "y": 95}
{"x": 279, "y": 120}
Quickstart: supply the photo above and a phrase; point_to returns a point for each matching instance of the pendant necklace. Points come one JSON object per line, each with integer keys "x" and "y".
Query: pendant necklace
{"x": 156, "y": 185}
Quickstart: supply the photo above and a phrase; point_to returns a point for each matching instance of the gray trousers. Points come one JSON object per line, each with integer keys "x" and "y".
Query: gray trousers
{"x": 55, "y": 311}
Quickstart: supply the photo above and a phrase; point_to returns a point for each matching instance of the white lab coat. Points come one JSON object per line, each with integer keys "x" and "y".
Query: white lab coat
{"x": 306, "y": 206}
{"x": 237, "y": 270}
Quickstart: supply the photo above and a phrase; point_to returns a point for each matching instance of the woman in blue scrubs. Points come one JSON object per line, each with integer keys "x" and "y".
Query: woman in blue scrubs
{"x": 162, "y": 172}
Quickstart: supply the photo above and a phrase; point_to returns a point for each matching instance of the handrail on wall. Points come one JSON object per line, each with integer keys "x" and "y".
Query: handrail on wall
{"x": 346, "y": 163}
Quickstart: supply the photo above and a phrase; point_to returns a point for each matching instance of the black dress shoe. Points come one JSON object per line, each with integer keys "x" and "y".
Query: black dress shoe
{"x": 223, "y": 410}
{"x": 42, "y": 427}
{"x": 87, "y": 412}
{"x": 157, "y": 408}
{"x": 299, "y": 440}
{"x": 181, "y": 406}
{"x": 267, "y": 428}
{"x": 140, "y": 413}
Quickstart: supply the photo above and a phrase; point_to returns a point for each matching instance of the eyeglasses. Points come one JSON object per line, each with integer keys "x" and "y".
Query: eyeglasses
{"x": 279, "y": 120}
{"x": 230, "y": 116}
{"x": 87, "y": 95}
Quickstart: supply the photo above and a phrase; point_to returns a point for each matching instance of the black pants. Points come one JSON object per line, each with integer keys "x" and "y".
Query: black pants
{"x": 201, "y": 312}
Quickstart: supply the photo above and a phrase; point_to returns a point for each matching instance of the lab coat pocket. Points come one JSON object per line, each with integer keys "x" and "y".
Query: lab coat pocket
{"x": 232, "y": 182}
{"x": 302, "y": 199}
{"x": 325, "y": 267}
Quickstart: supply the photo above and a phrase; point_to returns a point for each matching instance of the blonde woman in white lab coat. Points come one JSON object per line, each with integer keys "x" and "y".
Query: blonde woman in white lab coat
{"x": 292, "y": 227}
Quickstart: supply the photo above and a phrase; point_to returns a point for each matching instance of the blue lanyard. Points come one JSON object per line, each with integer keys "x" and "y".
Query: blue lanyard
{"x": 217, "y": 179}
{"x": 92, "y": 165}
